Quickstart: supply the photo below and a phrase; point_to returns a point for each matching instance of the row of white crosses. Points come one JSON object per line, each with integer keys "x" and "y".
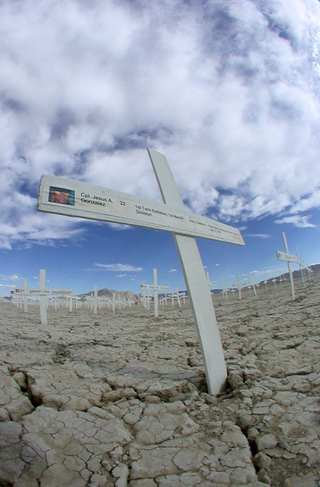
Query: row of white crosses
{"x": 177, "y": 296}
{"x": 283, "y": 256}
{"x": 59, "y": 297}
{"x": 79, "y": 199}
{"x": 94, "y": 301}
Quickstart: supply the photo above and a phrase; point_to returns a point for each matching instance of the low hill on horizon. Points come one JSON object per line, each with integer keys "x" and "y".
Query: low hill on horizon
{"x": 108, "y": 293}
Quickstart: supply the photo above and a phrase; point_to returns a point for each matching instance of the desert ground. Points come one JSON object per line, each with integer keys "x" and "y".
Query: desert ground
{"x": 120, "y": 398}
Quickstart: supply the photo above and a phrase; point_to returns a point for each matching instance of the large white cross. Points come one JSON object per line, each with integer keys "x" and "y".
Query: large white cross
{"x": 78, "y": 199}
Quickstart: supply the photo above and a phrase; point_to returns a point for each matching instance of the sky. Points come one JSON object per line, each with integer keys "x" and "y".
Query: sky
{"x": 228, "y": 91}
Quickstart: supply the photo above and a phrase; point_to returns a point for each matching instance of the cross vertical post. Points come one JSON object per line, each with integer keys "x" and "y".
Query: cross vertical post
{"x": 95, "y": 303}
{"x": 25, "y": 297}
{"x": 178, "y": 297}
{"x": 43, "y": 298}
{"x": 289, "y": 265}
{"x": 252, "y": 281}
{"x": 196, "y": 282}
{"x": 301, "y": 268}
{"x": 239, "y": 286}
{"x": 155, "y": 293}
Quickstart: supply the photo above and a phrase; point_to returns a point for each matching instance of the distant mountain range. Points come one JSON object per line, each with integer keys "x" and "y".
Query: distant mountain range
{"x": 315, "y": 268}
{"x": 129, "y": 295}
{"x": 108, "y": 293}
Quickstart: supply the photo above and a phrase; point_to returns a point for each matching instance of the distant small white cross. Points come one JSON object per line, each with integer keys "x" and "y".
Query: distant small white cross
{"x": 43, "y": 292}
{"x": 210, "y": 283}
{"x": 155, "y": 288}
{"x": 238, "y": 285}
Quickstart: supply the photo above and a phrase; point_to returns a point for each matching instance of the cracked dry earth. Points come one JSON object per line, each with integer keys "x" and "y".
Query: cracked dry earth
{"x": 119, "y": 399}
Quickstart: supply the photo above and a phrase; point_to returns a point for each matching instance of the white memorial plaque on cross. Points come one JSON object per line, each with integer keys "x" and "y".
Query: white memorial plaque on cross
{"x": 287, "y": 257}
{"x": 78, "y": 199}
{"x": 97, "y": 203}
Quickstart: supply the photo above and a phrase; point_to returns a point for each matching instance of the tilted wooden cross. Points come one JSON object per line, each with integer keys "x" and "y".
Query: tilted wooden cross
{"x": 79, "y": 199}
{"x": 285, "y": 256}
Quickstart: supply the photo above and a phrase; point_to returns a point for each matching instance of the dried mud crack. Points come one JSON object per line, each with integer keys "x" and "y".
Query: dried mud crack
{"x": 120, "y": 399}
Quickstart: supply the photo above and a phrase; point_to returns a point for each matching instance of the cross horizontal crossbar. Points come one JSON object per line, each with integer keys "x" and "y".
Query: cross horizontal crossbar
{"x": 98, "y": 203}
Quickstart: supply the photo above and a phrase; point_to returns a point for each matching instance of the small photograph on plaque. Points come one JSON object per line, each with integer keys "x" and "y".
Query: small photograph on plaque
{"x": 61, "y": 195}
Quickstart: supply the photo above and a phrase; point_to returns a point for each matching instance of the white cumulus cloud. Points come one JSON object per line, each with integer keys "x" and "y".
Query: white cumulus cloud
{"x": 228, "y": 91}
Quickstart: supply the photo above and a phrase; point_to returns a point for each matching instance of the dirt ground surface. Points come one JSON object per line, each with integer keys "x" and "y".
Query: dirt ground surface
{"x": 120, "y": 399}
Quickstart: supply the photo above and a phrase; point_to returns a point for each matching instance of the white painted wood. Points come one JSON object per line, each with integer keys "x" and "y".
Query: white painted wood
{"x": 285, "y": 256}
{"x": 155, "y": 293}
{"x": 25, "y": 297}
{"x": 178, "y": 297}
{"x": 98, "y": 203}
{"x": 195, "y": 278}
{"x": 289, "y": 266}
{"x": 253, "y": 285}
{"x": 225, "y": 292}
{"x": 301, "y": 264}
{"x": 95, "y": 299}
{"x": 183, "y": 296}
{"x": 43, "y": 298}
{"x": 238, "y": 285}
{"x": 210, "y": 283}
